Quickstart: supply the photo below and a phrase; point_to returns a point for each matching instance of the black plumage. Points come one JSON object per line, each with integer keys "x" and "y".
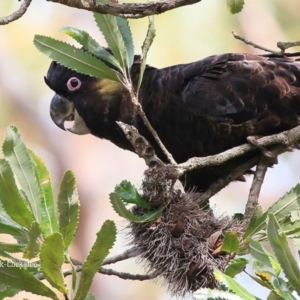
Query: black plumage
{"x": 197, "y": 109}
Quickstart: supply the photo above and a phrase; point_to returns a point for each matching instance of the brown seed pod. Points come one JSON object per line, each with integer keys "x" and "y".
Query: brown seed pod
{"x": 183, "y": 245}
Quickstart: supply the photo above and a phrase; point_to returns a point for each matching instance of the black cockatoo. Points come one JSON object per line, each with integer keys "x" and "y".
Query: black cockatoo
{"x": 198, "y": 109}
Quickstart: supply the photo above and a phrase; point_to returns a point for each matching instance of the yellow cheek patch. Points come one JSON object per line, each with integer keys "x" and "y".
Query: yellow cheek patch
{"x": 109, "y": 87}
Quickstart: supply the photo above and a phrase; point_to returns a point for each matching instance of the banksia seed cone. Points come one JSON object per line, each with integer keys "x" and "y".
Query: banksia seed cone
{"x": 183, "y": 245}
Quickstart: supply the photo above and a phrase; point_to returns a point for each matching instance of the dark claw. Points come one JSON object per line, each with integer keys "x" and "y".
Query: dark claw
{"x": 252, "y": 140}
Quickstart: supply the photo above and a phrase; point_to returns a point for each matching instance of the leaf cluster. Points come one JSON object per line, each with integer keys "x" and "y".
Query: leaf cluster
{"x": 38, "y": 224}
{"x": 92, "y": 59}
{"x": 126, "y": 193}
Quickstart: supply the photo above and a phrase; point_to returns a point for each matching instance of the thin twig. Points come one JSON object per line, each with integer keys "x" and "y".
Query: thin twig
{"x": 127, "y": 10}
{"x": 238, "y": 37}
{"x": 104, "y": 271}
{"x": 17, "y": 14}
{"x": 222, "y": 182}
{"x": 155, "y": 135}
{"x": 41, "y": 275}
{"x": 257, "y": 182}
{"x": 75, "y": 262}
{"x": 142, "y": 114}
{"x": 286, "y": 45}
{"x": 132, "y": 252}
{"x": 123, "y": 275}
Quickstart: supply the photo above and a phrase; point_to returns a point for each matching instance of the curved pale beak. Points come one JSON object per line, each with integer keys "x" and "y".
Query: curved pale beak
{"x": 61, "y": 110}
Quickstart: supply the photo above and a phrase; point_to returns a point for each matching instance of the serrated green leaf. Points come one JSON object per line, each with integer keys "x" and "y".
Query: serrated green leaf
{"x": 291, "y": 229}
{"x": 236, "y": 266}
{"x": 233, "y": 285}
{"x": 8, "y": 226}
{"x": 21, "y": 239}
{"x": 151, "y": 32}
{"x": 235, "y": 6}
{"x": 4, "y": 254}
{"x": 122, "y": 211}
{"x": 127, "y": 38}
{"x": 264, "y": 271}
{"x": 90, "y": 45}
{"x": 90, "y": 297}
{"x": 295, "y": 215}
{"x": 263, "y": 279}
{"x": 31, "y": 266}
{"x": 286, "y": 204}
{"x": 204, "y": 294}
{"x": 120, "y": 208}
{"x": 12, "y": 248}
{"x": 151, "y": 215}
{"x": 18, "y": 158}
{"x": 297, "y": 244}
{"x": 21, "y": 279}
{"x": 52, "y": 261}
{"x": 74, "y": 58}
{"x": 282, "y": 289}
{"x": 49, "y": 222}
{"x": 10, "y": 198}
{"x": 283, "y": 253}
{"x": 267, "y": 278}
{"x": 256, "y": 217}
{"x": 281, "y": 210}
{"x": 273, "y": 296}
{"x": 68, "y": 208}
{"x": 231, "y": 242}
{"x": 129, "y": 194}
{"x": 33, "y": 246}
{"x": 74, "y": 277}
{"x": 7, "y": 291}
{"x": 104, "y": 242}
{"x": 110, "y": 29}
{"x": 264, "y": 257}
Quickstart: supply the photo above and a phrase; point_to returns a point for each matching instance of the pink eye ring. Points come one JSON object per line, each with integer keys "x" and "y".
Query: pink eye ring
{"x": 73, "y": 84}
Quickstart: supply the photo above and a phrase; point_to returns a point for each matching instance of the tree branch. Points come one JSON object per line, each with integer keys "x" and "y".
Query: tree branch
{"x": 222, "y": 182}
{"x": 286, "y": 45}
{"x": 110, "y": 272}
{"x": 132, "y": 252}
{"x": 238, "y": 37}
{"x": 127, "y": 10}
{"x": 141, "y": 146}
{"x": 279, "y": 143}
{"x": 257, "y": 182}
{"x": 128, "y": 276}
{"x": 17, "y": 14}
{"x": 285, "y": 139}
{"x": 281, "y": 45}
